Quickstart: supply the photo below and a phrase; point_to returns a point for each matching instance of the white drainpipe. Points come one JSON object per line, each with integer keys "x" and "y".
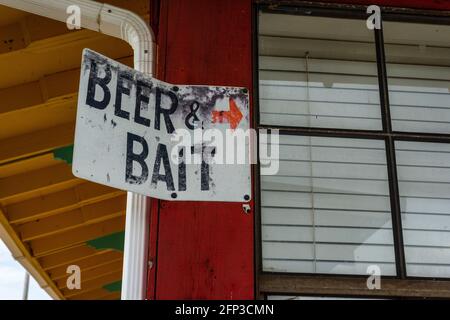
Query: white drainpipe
{"x": 128, "y": 26}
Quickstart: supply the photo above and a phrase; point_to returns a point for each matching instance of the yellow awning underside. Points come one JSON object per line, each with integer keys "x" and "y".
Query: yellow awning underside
{"x": 48, "y": 218}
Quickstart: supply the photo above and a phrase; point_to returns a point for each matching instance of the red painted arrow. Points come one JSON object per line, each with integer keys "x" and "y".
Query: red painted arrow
{"x": 233, "y": 116}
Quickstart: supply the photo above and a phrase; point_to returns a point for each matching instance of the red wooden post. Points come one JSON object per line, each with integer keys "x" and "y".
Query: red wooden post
{"x": 204, "y": 250}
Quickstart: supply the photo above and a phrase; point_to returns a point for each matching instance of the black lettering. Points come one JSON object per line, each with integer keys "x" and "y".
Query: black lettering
{"x": 161, "y": 154}
{"x": 165, "y": 112}
{"x": 122, "y": 77}
{"x": 139, "y": 158}
{"x": 140, "y": 97}
{"x": 204, "y": 168}
{"x": 182, "y": 171}
{"x": 95, "y": 81}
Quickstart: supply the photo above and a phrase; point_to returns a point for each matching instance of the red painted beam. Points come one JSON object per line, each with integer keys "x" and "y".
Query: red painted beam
{"x": 205, "y": 250}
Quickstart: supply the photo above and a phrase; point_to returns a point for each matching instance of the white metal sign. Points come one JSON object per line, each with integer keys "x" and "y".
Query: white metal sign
{"x": 136, "y": 133}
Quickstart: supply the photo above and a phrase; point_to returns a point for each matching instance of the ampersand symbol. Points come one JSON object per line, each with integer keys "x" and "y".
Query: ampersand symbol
{"x": 191, "y": 118}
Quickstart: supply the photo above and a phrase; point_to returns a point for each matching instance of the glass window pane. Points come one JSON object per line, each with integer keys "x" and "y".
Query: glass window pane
{"x": 418, "y": 65}
{"x": 279, "y": 297}
{"x": 327, "y": 210}
{"x": 424, "y": 182}
{"x": 317, "y": 72}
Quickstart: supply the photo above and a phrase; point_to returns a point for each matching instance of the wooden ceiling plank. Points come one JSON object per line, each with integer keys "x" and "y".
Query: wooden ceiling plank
{"x": 90, "y": 295}
{"x": 13, "y": 37}
{"x": 100, "y": 271}
{"x": 44, "y": 246}
{"x": 69, "y": 256}
{"x": 85, "y": 215}
{"x": 31, "y": 28}
{"x": 86, "y": 264}
{"x": 58, "y": 202}
{"x": 94, "y": 284}
{"x": 13, "y": 98}
{"x": 54, "y": 87}
{"x": 35, "y": 181}
{"x": 26, "y": 165}
{"x": 112, "y": 296}
{"x": 26, "y": 145}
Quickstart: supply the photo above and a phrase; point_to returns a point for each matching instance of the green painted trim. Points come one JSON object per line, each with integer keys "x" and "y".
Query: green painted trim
{"x": 114, "y": 286}
{"x": 64, "y": 154}
{"x": 111, "y": 241}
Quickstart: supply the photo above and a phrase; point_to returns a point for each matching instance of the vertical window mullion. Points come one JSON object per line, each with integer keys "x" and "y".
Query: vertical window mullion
{"x": 390, "y": 156}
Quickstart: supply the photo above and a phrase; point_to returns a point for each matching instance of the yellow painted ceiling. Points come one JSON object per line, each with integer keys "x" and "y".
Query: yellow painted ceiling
{"x": 46, "y": 214}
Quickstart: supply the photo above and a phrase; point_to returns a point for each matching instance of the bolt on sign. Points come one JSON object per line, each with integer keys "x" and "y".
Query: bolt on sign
{"x": 136, "y": 133}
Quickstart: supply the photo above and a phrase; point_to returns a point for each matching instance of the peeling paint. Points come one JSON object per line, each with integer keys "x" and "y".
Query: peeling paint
{"x": 132, "y": 150}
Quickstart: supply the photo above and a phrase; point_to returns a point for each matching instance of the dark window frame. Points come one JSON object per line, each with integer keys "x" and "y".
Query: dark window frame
{"x": 341, "y": 284}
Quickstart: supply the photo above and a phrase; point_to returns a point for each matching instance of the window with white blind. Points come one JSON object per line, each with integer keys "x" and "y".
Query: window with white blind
{"x": 424, "y": 181}
{"x": 418, "y": 66}
{"x": 316, "y": 71}
{"x": 309, "y": 298}
{"x": 327, "y": 210}
{"x": 364, "y": 120}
